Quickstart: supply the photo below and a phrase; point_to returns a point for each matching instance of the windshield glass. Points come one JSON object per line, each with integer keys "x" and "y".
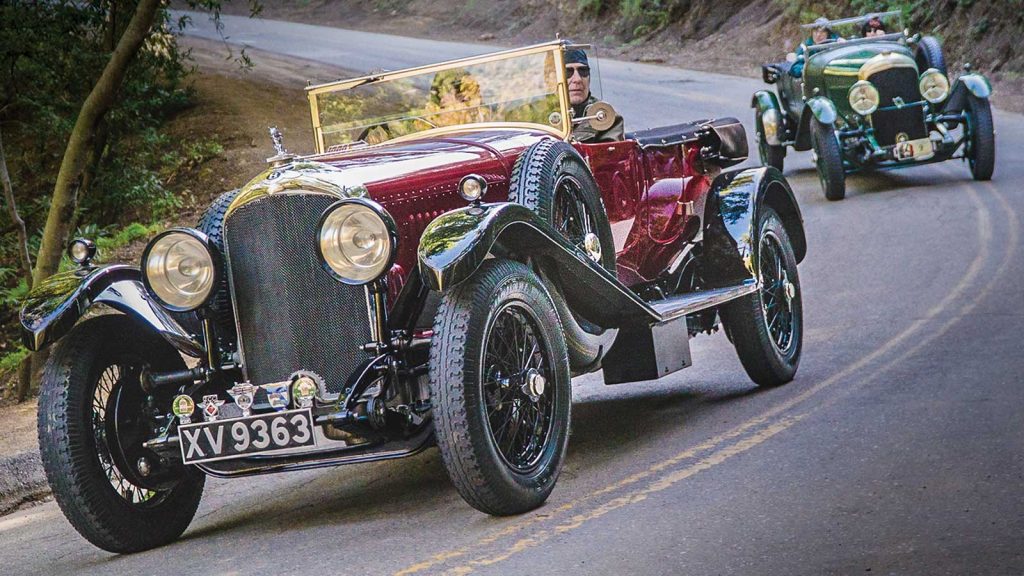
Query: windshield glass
{"x": 878, "y": 24}
{"x": 514, "y": 87}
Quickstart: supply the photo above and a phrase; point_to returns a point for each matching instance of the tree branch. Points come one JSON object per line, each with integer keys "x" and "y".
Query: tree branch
{"x": 12, "y": 209}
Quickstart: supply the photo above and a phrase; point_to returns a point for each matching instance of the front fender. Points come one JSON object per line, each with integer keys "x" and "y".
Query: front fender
{"x": 763, "y": 102}
{"x": 971, "y": 83}
{"x": 56, "y": 304}
{"x": 821, "y": 109}
{"x": 456, "y": 243}
{"x": 977, "y": 84}
{"x": 731, "y": 215}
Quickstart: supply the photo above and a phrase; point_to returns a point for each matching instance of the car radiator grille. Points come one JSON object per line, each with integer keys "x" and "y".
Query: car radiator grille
{"x": 898, "y": 83}
{"x": 291, "y": 314}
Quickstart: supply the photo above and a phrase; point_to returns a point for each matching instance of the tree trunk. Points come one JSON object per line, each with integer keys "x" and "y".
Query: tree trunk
{"x": 92, "y": 165}
{"x": 65, "y": 191}
{"x": 12, "y": 209}
{"x": 25, "y": 368}
{"x": 21, "y": 393}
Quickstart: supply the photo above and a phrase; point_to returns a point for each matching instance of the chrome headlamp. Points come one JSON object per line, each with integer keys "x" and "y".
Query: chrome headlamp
{"x": 82, "y": 251}
{"x": 357, "y": 240}
{"x": 863, "y": 97}
{"x": 179, "y": 269}
{"x": 934, "y": 86}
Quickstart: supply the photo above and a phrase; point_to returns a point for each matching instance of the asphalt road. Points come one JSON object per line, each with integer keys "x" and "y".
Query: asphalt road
{"x": 898, "y": 449}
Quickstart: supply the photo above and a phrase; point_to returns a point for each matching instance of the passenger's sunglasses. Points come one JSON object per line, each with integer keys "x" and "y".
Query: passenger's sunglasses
{"x": 584, "y": 71}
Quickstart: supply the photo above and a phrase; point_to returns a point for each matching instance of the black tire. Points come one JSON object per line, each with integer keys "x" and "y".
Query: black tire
{"x": 212, "y": 224}
{"x": 552, "y": 179}
{"x": 829, "y": 160}
{"x": 466, "y": 386}
{"x": 981, "y": 146}
{"x": 94, "y": 365}
{"x": 773, "y": 156}
{"x": 928, "y": 54}
{"x": 769, "y": 353}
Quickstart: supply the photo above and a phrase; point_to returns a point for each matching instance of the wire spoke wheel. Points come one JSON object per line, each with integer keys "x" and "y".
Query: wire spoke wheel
{"x": 519, "y": 418}
{"x": 109, "y": 383}
{"x": 766, "y": 327}
{"x": 553, "y": 180}
{"x": 777, "y": 293}
{"x": 571, "y": 217}
{"x": 500, "y": 388}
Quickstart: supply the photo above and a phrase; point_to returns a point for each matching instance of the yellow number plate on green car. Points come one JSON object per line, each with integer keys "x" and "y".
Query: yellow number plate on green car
{"x": 914, "y": 149}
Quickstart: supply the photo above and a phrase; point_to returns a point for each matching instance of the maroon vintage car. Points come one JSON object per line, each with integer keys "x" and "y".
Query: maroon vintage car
{"x": 437, "y": 272}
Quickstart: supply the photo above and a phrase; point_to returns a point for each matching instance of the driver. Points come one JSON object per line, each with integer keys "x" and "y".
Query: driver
{"x": 820, "y": 34}
{"x": 577, "y": 74}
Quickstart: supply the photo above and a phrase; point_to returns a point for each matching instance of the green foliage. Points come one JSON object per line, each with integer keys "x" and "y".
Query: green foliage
{"x": 11, "y": 296}
{"x": 125, "y": 236}
{"x": 9, "y": 362}
{"x": 49, "y": 62}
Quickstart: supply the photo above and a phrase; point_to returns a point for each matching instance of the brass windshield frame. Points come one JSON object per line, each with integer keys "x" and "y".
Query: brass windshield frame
{"x": 556, "y": 47}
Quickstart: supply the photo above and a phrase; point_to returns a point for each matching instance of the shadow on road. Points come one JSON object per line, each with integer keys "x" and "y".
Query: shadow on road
{"x": 606, "y": 430}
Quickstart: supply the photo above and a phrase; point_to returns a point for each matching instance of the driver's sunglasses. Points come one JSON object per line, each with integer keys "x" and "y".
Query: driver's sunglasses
{"x": 584, "y": 71}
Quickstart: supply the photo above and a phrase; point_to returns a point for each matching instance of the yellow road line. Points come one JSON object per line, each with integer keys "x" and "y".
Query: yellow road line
{"x": 634, "y": 496}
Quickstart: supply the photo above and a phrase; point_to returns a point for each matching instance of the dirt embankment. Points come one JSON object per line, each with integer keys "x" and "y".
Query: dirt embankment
{"x": 731, "y": 36}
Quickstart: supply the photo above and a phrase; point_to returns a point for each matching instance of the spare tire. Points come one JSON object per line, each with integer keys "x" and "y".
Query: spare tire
{"x": 552, "y": 179}
{"x": 928, "y": 54}
{"x": 212, "y": 224}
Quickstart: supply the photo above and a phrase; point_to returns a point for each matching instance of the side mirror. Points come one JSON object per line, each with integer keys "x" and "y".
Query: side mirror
{"x": 791, "y": 57}
{"x": 601, "y": 115}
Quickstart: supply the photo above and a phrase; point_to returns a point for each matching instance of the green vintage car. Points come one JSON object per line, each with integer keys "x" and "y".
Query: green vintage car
{"x": 872, "y": 102}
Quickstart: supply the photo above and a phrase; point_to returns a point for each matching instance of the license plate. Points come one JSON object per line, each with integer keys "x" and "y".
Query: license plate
{"x": 916, "y": 149}
{"x": 262, "y": 434}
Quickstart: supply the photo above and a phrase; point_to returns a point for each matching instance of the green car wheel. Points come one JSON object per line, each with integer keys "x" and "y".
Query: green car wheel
{"x": 829, "y": 160}
{"x": 981, "y": 145}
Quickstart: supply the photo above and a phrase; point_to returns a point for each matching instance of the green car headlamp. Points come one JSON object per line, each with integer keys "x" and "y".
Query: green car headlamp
{"x": 863, "y": 97}
{"x": 934, "y": 86}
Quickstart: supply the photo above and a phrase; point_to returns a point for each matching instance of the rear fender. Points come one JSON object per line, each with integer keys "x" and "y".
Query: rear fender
{"x": 821, "y": 109}
{"x": 55, "y": 305}
{"x": 730, "y": 223}
{"x": 455, "y": 244}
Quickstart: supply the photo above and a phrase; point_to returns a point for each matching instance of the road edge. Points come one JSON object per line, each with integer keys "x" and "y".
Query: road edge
{"x": 22, "y": 480}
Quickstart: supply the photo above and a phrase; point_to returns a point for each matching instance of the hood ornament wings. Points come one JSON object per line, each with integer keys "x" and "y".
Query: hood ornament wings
{"x": 282, "y": 156}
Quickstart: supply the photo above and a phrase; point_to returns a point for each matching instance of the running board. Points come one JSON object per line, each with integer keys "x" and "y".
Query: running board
{"x": 651, "y": 351}
{"x": 683, "y": 304}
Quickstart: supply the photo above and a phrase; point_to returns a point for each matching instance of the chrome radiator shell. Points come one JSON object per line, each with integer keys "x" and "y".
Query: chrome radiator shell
{"x": 290, "y": 313}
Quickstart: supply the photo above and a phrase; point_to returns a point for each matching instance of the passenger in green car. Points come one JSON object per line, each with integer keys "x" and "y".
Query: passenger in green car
{"x": 577, "y": 74}
{"x": 819, "y": 35}
{"x": 873, "y": 27}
